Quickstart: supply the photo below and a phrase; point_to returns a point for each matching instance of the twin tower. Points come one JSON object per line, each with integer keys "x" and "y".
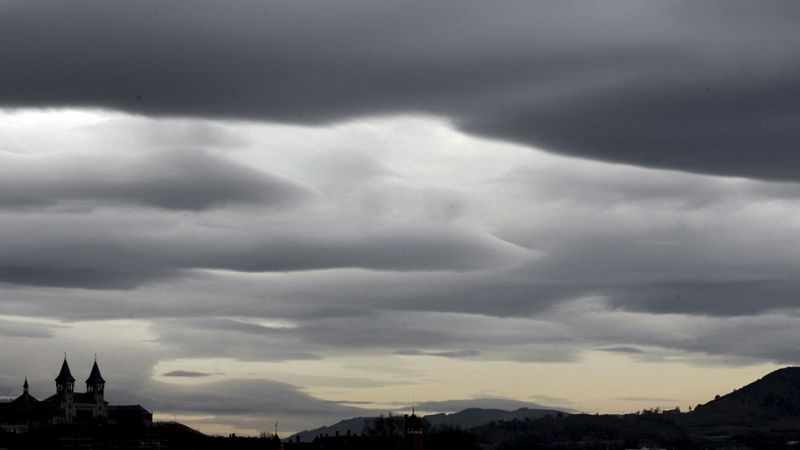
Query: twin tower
{"x": 67, "y": 407}
{"x": 81, "y": 406}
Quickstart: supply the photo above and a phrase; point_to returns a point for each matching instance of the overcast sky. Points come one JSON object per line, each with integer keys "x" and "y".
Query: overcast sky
{"x": 305, "y": 211}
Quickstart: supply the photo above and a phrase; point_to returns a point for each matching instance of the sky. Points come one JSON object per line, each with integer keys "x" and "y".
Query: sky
{"x": 260, "y": 211}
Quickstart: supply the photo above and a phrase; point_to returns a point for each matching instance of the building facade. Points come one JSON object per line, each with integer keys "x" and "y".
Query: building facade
{"x": 67, "y": 407}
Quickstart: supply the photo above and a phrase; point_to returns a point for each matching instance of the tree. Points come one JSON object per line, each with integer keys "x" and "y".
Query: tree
{"x": 385, "y": 426}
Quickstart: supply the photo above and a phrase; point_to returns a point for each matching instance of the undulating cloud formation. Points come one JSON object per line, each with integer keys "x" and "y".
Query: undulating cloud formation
{"x": 704, "y": 88}
{"x": 305, "y": 211}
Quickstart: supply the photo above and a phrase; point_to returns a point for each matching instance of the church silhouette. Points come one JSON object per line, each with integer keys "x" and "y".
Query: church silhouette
{"x": 67, "y": 407}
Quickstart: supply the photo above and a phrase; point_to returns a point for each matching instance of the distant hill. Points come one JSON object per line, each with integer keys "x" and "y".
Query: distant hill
{"x": 764, "y": 414}
{"x": 356, "y": 425}
{"x": 467, "y": 418}
{"x": 505, "y": 404}
{"x": 175, "y": 428}
{"x": 472, "y": 417}
{"x": 774, "y": 396}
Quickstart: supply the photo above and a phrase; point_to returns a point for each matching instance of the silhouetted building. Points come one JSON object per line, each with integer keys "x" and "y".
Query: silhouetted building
{"x": 69, "y": 407}
{"x": 413, "y": 431}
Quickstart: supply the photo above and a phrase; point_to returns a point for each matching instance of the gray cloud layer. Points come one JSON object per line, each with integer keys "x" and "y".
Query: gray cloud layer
{"x": 242, "y": 397}
{"x": 705, "y": 88}
{"x": 329, "y": 247}
{"x": 177, "y": 179}
{"x": 103, "y": 251}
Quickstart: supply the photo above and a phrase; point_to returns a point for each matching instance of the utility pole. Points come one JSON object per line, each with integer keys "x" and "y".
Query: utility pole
{"x": 276, "y": 428}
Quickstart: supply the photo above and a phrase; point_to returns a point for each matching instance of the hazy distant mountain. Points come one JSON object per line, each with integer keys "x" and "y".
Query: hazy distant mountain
{"x": 175, "y": 427}
{"x": 356, "y": 425}
{"x": 764, "y": 414}
{"x": 467, "y": 418}
{"x": 506, "y": 404}
{"x": 473, "y": 417}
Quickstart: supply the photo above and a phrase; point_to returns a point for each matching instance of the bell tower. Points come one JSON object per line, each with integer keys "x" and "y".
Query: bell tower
{"x": 65, "y": 386}
{"x": 65, "y": 382}
{"x": 413, "y": 431}
{"x": 95, "y": 386}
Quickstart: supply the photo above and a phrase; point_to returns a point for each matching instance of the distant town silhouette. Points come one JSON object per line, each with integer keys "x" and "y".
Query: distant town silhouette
{"x": 764, "y": 414}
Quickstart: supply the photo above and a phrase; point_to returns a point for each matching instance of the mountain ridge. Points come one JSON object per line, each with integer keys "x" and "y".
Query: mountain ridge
{"x": 467, "y": 418}
{"x": 774, "y": 395}
{"x": 764, "y": 414}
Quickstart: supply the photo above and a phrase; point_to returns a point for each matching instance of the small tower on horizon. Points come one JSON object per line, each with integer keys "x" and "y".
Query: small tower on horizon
{"x": 414, "y": 430}
{"x": 25, "y": 386}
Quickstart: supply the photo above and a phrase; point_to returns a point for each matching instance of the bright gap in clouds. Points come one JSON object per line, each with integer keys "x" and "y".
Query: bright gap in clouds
{"x": 322, "y": 273}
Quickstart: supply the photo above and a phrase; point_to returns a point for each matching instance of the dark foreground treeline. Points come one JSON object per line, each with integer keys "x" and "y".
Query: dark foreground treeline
{"x": 455, "y": 439}
{"x": 108, "y": 437}
{"x": 675, "y": 431}
{"x": 583, "y": 431}
{"x": 577, "y": 431}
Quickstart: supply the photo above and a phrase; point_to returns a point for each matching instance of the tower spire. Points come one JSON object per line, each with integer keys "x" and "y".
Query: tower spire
{"x": 94, "y": 376}
{"x": 25, "y": 386}
{"x": 95, "y": 383}
{"x": 65, "y": 381}
{"x": 65, "y": 375}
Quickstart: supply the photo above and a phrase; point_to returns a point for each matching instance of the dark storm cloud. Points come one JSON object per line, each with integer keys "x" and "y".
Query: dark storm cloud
{"x": 557, "y": 334}
{"x": 10, "y": 329}
{"x": 246, "y": 404}
{"x": 218, "y": 325}
{"x": 112, "y": 250}
{"x": 186, "y": 374}
{"x": 742, "y": 130}
{"x": 645, "y": 82}
{"x": 206, "y": 337}
{"x": 622, "y": 349}
{"x": 449, "y": 354}
{"x": 213, "y": 337}
{"x": 319, "y": 336}
{"x": 178, "y": 179}
{"x": 309, "y": 339}
{"x": 728, "y": 297}
{"x": 243, "y": 397}
{"x": 660, "y": 241}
